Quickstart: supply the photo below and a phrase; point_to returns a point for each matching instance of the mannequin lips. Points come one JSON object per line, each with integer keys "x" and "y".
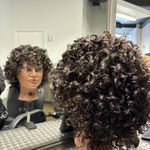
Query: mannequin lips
{"x": 33, "y": 80}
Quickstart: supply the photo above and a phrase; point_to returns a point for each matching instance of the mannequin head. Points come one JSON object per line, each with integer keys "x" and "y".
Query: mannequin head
{"x": 30, "y": 76}
{"x": 27, "y": 67}
{"x": 24, "y": 57}
{"x": 103, "y": 86}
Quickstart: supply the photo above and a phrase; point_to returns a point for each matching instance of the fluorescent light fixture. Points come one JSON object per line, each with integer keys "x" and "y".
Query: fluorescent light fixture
{"x": 127, "y": 17}
{"x": 118, "y": 35}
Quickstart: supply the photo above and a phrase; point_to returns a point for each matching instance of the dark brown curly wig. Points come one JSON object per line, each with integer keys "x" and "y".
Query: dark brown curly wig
{"x": 32, "y": 56}
{"x": 103, "y": 85}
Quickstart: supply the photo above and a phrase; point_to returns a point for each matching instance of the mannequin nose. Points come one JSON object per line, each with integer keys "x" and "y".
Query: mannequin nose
{"x": 33, "y": 72}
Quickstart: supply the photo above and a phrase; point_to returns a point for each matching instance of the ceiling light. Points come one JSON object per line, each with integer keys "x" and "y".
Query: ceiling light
{"x": 127, "y": 17}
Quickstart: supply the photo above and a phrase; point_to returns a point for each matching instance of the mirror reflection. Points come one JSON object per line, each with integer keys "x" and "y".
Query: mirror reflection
{"x": 27, "y": 70}
{"x": 52, "y": 25}
{"x": 48, "y": 25}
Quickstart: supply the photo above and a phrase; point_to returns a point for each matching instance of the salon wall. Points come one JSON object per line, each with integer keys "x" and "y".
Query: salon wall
{"x": 60, "y": 21}
{"x": 94, "y": 18}
{"x": 5, "y": 33}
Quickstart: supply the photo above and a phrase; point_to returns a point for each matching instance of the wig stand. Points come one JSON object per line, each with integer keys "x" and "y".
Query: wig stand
{"x": 28, "y": 123}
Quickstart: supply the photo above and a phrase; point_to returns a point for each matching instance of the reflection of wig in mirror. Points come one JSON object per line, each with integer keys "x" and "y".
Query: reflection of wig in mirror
{"x": 102, "y": 84}
{"x": 27, "y": 69}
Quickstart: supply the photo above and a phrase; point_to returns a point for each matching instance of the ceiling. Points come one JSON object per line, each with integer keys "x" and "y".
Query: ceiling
{"x": 140, "y": 10}
{"x": 142, "y": 3}
{"x": 142, "y": 21}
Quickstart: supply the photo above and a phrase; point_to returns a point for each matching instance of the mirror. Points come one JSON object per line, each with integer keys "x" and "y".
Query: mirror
{"x": 50, "y": 24}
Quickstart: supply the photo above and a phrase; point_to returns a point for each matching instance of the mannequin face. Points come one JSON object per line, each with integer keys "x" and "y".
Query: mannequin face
{"x": 30, "y": 76}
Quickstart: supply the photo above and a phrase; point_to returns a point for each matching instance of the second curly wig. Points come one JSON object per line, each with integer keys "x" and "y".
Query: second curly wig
{"x": 103, "y": 85}
{"x": 32, "y": 56}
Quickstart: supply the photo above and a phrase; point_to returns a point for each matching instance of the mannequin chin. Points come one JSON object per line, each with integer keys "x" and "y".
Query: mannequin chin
{"x": 28, "y": 94}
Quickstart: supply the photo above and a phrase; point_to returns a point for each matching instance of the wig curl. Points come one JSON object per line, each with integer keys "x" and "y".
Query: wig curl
{"x": 103, "y": 85}
{"x": 32, "y": 56}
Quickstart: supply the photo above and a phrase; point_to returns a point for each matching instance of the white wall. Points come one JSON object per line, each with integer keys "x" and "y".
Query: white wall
{"x": 94, "y": 18}
{"x": 5, "y": 24}
{"x": 59, "y": 21}
{"x": 5, "y": 42}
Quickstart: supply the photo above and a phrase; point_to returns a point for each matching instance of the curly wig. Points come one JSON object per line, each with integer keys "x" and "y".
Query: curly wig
{"x": 103, "y": 85}
{"x": 32, "y": 56}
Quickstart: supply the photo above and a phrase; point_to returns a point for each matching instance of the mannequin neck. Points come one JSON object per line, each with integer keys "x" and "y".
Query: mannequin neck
{"x": 28, "y": 94}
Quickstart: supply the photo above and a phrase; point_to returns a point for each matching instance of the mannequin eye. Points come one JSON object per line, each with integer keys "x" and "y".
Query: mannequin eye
{"x": 26, "y": 68}
{"x": 30, "y": 68}
{"x": 38, "y": 68}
